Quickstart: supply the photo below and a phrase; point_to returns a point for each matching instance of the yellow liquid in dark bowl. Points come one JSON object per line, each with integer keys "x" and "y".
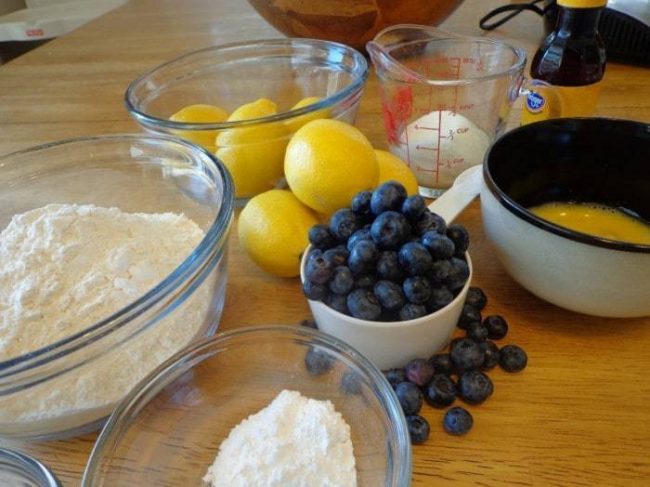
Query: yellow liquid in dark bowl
{"x": 593, "y": 219}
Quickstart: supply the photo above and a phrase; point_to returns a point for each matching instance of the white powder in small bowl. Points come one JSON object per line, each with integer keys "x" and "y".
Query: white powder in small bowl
{"x": 293, "y": 442}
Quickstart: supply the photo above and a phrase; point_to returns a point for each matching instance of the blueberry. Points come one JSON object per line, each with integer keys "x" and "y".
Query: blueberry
{"x": 440, "y": 270}
{"x": 442, "y": 363}
{"x": 320, "y": 237}
{"x": 466, "y": 354}
{"x": 313, "y": 291}
{"x": 387, "y": 197}
{"x": 440, "y": 392}
{"x": 409, "y": 396}
{"x": 309, "y": 324}
{"x": 361, "y": 234}
{"x": 390, "y": 230}
{"x": 417, "y": 289}
{"x": 497, "y": 326}
{"x": 390, "y": 295}
{"x": 476, "y": 297}
{"x": 314, "y": 253}
{"x": 418, "y": 428}
{"x": 411, "y": 311}
{"x": 344, "y": 223}
{"x": 468, "y": 315}
{"x": 365, "y": 281}
{"x": 430, "y": 222}
{"x": 351, "y": 382}
{"x": 388, "y": 267}
{"x": 413, "y": 207}
{"x": 361, "y": 204}
{"x": 415, "y": 259}
{"x": 363, "y": 257}
{"x": 395, "y": 376}
{"x": 318, "y": 270}
{"x": 419, "y": 371}
{"x": 474, "y": 387}
{"x": 439, "y": 246}
{"x": 337, "y": 302}
{"x": 337, "y": 256}
{"x": 476, "y": 331}
{"x": 342, "y": 280}
{"x": 318, "y": 361}
{"x": 492, "y": 353}
{"x": 459, "y": 274}
{"x": 363, "y": 304}
{"x": 440, "y": 297}
{"x": 457, "y": 421}
{"x": 512, "y": 358}
{"x": 458, "y": 234}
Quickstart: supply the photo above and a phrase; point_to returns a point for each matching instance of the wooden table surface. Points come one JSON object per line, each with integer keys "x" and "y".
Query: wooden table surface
{"x": 578, "y": 415}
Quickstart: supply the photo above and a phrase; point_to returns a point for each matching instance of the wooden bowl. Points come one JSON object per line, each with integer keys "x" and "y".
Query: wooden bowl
{"x": 352, "y": 22}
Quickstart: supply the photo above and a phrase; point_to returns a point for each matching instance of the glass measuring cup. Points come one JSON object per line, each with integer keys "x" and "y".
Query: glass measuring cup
{"x": 445, "y": 98}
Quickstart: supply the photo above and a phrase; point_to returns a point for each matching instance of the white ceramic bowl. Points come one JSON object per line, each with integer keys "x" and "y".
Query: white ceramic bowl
{"x": 389, "y": 344}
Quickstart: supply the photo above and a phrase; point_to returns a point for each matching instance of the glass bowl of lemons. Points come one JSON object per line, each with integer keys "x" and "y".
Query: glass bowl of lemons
{"x": 243, "y": 101}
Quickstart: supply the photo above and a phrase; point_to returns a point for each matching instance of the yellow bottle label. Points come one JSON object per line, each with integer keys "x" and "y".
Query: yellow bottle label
{"x": 560, "y": 101}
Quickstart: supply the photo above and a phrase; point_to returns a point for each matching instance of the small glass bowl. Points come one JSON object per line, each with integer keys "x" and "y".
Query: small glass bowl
{"x": 228, "y": 76}
{"x": 168, "y": 430}
{"x": 54, "y": 391}
{"x": 20, "y": 470}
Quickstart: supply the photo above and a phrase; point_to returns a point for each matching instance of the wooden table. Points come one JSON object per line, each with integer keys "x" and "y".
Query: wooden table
{"x": 578, "y": 415}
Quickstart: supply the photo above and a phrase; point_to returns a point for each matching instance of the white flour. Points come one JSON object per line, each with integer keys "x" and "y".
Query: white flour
{"x": 293, "y": 442}
{"x": 65, "y": 267}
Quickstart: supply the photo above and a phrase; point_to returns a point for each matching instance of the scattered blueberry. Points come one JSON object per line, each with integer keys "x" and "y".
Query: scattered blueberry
{"x": 337, "y": 256}
{"x": 415, "y": 259}
{"x": 417, "y": 289}
{"x": 440, "y": 392}
{"x": 474, "y": 387}
{"x": 341, "y": 281}
{"x": 497, "y": 326}
{"x": 412, "y": 311}
{"x": 320, "y": 237}
{"x": 361, "y": 204}
{"x": 466, "y": 354}
{"x": 361, "y": 234}
{"x": 439, "y": 246}
{"x": 390, "y": 230}
{"x": 387, "y": 197}
{"x": 476, "y": 297}
{"x": 458, "y": 234}
{"x": 476, "y": 331}
{"x": 457, "y": 421}
{"x": 390, "y": 295}
{"x": 430, "y": 222}
{"x": 344, "y": 222}
{"x": 442, "y": 363}
{"x": 419, "y": 371}
{"x": 418, "y": 428}
{"x": 337, "y": 302}
{"x": 318, "y": 270}
{"x": 410, "y": 397}
{"x": 363, "y": 257}
{"x": 364, "y": 281}
{"x": 440, "y": 297}
{"x": 492, "y": 353}
{"x": 363, "y": 304}
{"x": 388, "y": 266}
{"x": 413, "y": 207}
{"x": 318, "y": 361}
{"x": 315, "y": 292}
{"x": 468, "y": 315}
{"x": 351, "y": 382}
{"x": 512, "y": 358}
{"x": 309, "y": 324}
{"x": 459, "y": 274}
{"x": 395, "y": 376}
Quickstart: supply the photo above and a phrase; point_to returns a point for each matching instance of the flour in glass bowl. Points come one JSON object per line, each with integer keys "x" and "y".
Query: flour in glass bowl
{"x": 295, "y": 441}
{"x": 65, "y": 267}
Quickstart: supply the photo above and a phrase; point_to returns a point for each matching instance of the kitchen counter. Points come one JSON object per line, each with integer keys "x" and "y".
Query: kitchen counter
{"x": 578, "y": 415}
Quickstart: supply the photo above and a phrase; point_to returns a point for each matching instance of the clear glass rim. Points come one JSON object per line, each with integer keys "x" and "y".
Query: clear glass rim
{"x": 359, "y": 73}
{"x": 121, "y": 418}
{"x": 214, "y": 239}
{"x": 30, "y": 467}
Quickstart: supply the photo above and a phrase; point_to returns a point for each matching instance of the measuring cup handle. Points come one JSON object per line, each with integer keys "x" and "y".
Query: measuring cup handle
{"x": 453, "y": 201}
{"x": 542, "y": 101}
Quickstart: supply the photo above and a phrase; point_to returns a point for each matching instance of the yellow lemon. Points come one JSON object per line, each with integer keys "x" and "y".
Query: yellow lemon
{"x": 273, "y": 229}
{"x": 199, "y": 114}
{"x": 295, "y": 123}
{"x": 392, "y": 168}
{"x": 253, "y": 155}
{"x": 327, "y": 163}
